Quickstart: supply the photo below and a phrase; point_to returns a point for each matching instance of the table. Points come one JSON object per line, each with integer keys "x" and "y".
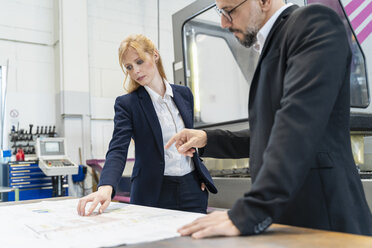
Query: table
{"x": 276, "y": 236}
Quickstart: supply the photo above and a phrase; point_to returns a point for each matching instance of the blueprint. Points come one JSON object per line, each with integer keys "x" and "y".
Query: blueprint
{"x": 57, "y": 224}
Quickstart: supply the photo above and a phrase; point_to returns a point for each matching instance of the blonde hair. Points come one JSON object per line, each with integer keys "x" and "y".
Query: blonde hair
{"x": 142, "y": 45}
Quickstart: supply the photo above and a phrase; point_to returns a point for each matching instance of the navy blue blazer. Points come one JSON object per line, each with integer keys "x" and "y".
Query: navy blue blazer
{"x": 135, "y": 117}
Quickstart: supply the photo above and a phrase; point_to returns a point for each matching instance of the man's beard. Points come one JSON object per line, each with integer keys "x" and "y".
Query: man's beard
{"x": 250, "y": 37}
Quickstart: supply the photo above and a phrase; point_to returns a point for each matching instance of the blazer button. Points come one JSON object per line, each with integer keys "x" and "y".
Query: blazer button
{"x": 267, "y": 222}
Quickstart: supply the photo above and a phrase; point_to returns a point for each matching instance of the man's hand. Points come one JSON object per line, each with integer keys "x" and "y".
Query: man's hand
{"x": 187, "y": 140}
{"x": 103, "y": 196}
{"x": 214, "y": 224}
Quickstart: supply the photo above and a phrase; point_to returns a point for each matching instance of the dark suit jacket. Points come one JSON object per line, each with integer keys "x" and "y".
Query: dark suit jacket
{"x": 301, "y": 163}
{"x": 135, "y": 117}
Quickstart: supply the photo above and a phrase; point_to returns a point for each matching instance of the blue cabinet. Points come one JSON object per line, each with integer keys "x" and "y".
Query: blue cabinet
{"x": 31, "y": 181}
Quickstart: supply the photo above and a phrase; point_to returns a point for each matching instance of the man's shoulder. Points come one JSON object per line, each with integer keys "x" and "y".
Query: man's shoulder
{"x": 311, "y": 17}
{"x": 313, "y": 11}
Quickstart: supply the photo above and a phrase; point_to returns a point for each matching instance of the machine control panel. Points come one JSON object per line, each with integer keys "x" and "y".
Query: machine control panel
{"x": 58, "y": 163}
{"x": 53, "y": 160}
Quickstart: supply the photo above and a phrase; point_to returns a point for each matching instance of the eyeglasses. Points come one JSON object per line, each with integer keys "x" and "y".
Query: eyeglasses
{"x": 227, "y": 14}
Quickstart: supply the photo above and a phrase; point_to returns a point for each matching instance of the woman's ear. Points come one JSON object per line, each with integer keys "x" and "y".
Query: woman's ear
{"x": 156, "y": 56}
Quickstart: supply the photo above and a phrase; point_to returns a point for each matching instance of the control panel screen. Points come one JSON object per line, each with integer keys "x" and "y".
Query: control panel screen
{"x": 52, "y": 147}
{"x": 48, "y": 148}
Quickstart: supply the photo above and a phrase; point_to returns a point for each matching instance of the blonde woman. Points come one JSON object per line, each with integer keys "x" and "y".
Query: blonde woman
{"x": 151, "y": 113}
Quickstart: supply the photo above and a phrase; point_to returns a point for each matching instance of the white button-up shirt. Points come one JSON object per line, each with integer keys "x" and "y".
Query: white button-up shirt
{"x": 265, "y": 30}
{"x": 171, "y": 123}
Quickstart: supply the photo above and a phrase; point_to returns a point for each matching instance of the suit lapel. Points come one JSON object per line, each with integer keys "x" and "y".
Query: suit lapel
{"x": 186, "y": 114}
{"x": 151, "y": 116}
{"x": 277, "y": 23}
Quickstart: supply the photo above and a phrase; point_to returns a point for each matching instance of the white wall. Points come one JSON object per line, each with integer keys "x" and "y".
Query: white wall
{"x": 26, "y": 41}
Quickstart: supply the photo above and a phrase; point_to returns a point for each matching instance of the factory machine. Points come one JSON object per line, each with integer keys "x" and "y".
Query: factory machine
{"x": 23, "y": 174}
{"x": 54, "y": 162}
{"x": 210, "y": 61}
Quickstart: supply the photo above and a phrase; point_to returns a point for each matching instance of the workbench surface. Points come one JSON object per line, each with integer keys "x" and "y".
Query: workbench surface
{"x": 276, "y": 236}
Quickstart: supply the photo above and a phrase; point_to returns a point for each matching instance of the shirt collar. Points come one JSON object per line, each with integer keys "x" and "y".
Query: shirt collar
{"x": 155, "y": 96}
{"x": 265, "y": 30}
